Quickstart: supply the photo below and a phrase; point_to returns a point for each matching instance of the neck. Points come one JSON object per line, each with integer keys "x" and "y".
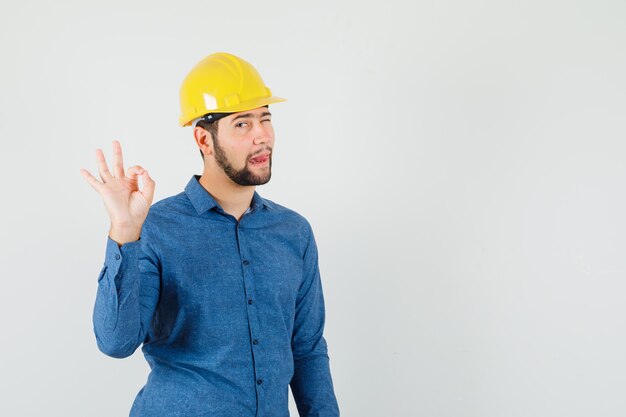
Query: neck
{"x": 233, "y": 198}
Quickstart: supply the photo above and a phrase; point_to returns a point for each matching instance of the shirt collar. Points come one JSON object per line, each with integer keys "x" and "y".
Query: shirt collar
{"x": 203, "y": 201}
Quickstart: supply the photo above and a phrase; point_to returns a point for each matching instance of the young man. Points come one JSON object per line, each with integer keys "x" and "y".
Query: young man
{"x": 220, "y": 285}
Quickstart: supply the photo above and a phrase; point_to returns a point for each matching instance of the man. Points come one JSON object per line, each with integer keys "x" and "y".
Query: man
{"x": 220, "y": 285}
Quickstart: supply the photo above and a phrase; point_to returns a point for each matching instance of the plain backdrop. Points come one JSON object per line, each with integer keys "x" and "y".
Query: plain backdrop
{"x": 461, "y": 163}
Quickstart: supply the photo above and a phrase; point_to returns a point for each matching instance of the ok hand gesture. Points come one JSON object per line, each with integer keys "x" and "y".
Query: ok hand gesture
{"x": 126, "y": 204}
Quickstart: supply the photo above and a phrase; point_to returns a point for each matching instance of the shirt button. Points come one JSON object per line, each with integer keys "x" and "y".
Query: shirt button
{"x": 249, "y": 301}
{"x": 255, "y": 342}
{"x": 259, "y": 381}
{"x": 117, "y": 256}
{"x": 246, "y": 262}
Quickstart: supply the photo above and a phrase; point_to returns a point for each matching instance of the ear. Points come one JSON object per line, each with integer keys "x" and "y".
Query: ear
{"x": 203, "y": 140}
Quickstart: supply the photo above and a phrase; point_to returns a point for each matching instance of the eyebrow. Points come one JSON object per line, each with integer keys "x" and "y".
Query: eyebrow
{"x": 241, "y": 116}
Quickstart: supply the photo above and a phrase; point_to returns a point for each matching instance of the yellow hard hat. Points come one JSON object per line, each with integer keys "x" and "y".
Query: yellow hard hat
{"x": 222, "y": 83}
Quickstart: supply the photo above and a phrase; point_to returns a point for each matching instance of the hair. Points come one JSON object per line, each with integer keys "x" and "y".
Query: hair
{"x": 210, "y": 127}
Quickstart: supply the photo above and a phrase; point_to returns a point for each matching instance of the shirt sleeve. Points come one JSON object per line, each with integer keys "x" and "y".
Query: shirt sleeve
{"x": 128, "y": 291}
{"x": 312, "y": 384}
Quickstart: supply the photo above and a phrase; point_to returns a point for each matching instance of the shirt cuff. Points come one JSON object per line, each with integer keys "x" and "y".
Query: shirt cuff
{"x": 115, "y": 254}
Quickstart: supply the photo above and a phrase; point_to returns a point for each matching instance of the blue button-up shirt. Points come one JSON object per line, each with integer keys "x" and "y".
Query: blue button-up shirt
{"x": 230, "y": 313}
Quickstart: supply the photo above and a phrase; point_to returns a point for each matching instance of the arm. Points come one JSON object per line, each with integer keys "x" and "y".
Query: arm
{"x": 311, "y": 385}
{"x": 128, "y": 291}
{"x": 128, "y": 284}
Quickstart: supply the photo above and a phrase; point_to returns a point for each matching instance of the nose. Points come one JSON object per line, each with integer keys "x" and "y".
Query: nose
{"x": 262, "y": 134}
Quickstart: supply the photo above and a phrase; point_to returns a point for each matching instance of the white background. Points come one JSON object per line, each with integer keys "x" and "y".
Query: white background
{"x": 461, "y": 162}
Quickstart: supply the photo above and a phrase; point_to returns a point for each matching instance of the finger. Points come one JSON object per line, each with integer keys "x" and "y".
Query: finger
{"x": 95, "y": 184}
{"x": 133, "y": 172}
{"x": 102, "y": 166}
{"x": 118, "y": 162}
{"x": 148, "y": 186}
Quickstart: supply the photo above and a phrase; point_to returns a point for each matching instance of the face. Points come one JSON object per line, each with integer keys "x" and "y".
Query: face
{"x": 244, "y": 146}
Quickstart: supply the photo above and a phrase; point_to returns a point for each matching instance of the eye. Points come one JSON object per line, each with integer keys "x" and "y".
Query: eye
{"x": 266, "y": 120}
{"x": 241, "y": 124}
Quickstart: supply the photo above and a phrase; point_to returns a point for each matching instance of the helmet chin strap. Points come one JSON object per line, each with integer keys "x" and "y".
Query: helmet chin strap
{"x": 214, "y": 117}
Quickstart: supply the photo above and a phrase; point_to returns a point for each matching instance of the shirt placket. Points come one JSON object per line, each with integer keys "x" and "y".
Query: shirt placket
{"x": 253, "y": 317}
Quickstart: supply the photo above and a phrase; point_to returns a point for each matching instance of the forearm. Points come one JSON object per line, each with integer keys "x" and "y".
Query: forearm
{"x": 117, "y": 311}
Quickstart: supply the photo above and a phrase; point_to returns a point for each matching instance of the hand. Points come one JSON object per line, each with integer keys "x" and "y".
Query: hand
{"x": 126, "y": 204}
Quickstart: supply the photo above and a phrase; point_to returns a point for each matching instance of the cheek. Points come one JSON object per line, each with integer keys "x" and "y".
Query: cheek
{"x": 239, "y": 155}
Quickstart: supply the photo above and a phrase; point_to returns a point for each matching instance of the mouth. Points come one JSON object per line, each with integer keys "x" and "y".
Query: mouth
{"x": 260, "y": 160}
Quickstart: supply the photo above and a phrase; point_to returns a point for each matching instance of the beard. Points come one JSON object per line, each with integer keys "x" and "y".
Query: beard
{"x": 240, "y": 176}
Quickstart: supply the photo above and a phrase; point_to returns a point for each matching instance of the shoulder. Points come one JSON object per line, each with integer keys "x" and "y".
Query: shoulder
{"x": 290, "y": 218}
{"x": 169, "y": 208}
{"x": 285, "y": 212}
